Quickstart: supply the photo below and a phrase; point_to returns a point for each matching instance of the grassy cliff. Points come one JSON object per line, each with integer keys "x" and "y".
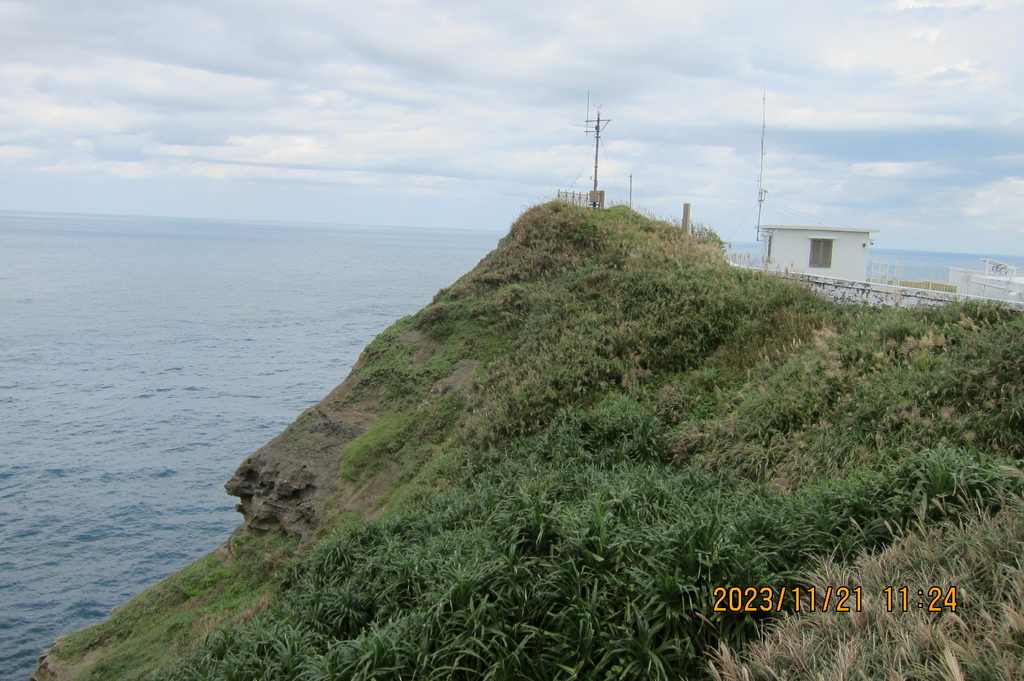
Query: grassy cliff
{"x": 561, "y": 457}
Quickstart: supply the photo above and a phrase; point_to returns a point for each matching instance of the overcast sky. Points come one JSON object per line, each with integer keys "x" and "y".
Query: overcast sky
{"x": 901, "y": 115}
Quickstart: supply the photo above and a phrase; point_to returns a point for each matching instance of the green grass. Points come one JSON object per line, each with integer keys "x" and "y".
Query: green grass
{"x": 644, "y": 423}
{"x": 376, "y": 447}
{"x": 389, "y": 368}
{"x": 886, "y": 382}
{"x": 174, "y": 615}
{"x": 576, "y": 555}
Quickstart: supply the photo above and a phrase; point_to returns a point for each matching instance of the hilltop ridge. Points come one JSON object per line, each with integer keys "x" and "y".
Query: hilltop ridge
{"x": 286, "y": 484}
{"x": 547, "y": 471}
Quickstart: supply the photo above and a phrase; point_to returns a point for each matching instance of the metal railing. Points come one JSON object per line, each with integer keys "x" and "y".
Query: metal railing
{"x": 927, "y": 277}
{"x": 993, "y": 281}
{"x": 575, "y": 198}
{"x": 592, "y": 199}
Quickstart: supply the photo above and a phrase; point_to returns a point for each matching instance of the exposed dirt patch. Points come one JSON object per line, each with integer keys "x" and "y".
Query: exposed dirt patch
{"x": 366, "y": 498}
{"x": 464, "y": 370}
{"x": 52, "y": 669}
{"x": 423, "y": 349}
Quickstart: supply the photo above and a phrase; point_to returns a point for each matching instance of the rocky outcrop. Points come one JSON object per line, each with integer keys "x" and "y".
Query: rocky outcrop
{"x": 47, "y": 671}
{"x": 284, "y": 486}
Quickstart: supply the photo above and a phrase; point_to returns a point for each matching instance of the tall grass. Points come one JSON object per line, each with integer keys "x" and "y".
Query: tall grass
{"x": 887, "y": 382}
{"x": 983, "y": 640}
{"x": 575, "y": 553}
{"x": 648, "y": 424}
{"x": 644, "y": 423}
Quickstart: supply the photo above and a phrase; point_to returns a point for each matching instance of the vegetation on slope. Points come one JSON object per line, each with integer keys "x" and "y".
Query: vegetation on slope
{"x": 176, "y": 614}
{"x": 984, "y": 641}
{"x": 643, "y": 424}
{"x": 580, "y": 560}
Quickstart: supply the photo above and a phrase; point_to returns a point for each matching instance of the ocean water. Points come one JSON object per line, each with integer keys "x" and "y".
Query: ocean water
{"x": 141, "y": 360}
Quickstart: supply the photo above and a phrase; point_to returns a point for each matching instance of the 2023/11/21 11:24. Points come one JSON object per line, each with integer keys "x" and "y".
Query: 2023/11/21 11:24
{"x": 824, "y": 599}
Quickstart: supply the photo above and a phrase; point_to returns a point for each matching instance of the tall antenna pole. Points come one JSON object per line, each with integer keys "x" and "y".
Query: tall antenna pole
{"x": 597, "y": 129}
{"x": 760, "y": 173}
{"x": 596, "y": 200}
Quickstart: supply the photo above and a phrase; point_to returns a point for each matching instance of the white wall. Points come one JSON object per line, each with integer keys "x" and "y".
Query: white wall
{"x": 791, "y": 250}
{"x": 878, "y": 295}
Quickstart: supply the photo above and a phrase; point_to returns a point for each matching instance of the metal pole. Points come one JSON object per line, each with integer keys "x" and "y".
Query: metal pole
{"x": 760, "y": 173}
{"x": 631, "y": 190}
{"x": 597, "y": 145}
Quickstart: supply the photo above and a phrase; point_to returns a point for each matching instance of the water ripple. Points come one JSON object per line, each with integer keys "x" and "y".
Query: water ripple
{"x": 138, "y": 373}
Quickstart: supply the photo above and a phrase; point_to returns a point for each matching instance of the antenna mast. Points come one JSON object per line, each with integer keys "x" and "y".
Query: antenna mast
{"x": 597, "y": 135}
{"x": 761, "y": 191}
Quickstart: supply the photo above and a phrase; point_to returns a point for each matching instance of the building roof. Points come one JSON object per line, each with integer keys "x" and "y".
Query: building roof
{"x": 819, "y": 228}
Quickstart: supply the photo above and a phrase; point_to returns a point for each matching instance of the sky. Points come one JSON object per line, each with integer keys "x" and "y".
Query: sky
{"x": 905, "y": 116}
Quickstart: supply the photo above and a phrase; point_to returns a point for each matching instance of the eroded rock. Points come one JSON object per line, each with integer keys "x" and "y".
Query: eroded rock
{"x": 285, "y": 484}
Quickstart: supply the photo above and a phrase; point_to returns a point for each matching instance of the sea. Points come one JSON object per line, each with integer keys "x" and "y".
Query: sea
{"x": 141, "y": 360}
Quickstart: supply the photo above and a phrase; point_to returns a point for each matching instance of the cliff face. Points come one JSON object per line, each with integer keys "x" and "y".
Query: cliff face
{"x": 285, "y": 485}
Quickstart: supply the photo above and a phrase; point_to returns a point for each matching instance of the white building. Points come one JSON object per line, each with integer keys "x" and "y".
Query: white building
{"x": 837, "y": 252}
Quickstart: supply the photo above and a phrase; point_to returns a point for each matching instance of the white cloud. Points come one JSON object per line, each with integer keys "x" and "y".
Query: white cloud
{"x": 997, "y": 202}
{"x": 43, "y": 114}
{"x": 872, "y": 105}
{"x": 14, "y": 152}
{"x": 946, "y": 4}
{"x": 923, "y": 169}
{"x": 10, "y": 10}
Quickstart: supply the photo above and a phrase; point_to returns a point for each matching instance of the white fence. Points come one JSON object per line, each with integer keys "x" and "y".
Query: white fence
{"x": 575, "y": 198}
{"x": 592, "y": 199}
{"x": 907, "y": 284}
{"x": 928, "y": 277}
{"x": 876, "y": 294}
{"x": 994, "y": 280}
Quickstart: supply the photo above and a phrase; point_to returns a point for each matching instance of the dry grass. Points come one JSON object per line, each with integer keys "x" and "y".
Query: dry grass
{"x": 983, "y": 640}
